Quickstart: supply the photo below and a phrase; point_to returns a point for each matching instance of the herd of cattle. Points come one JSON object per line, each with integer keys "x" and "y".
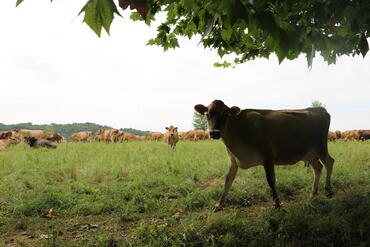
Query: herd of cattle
{"x": 348, "y": 135}
{"x": 46, "y": 138}
{"x": 171, "y": 136}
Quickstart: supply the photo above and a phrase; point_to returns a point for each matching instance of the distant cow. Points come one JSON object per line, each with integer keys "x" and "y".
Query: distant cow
{"x": 55, "y": 137}
{"x": 5, "y": 134}
{"x": 270, "y": 137}
{"x": 350, "y": 135}
{"x": 34, "y": 142}
{"x": 331, "y": 136}
{"x": 4, "y": 143}
{"x": 82, "y": 136}
{"x": 364, "y": 135}
{"x": 171, "y": 137}
{"x": 338, "y": 134}
{"x": 34, "y": 133}
{"x": 155, "y": 136}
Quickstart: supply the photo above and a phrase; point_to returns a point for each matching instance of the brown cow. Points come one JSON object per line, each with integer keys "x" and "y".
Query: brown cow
{"x": 338, "y": 134}
{"x": 364, "y": 135}
{"x": 270, "y": 137}
{"x": 171, "y": 137}
{"x": 35, "y": 143}
{"x": 5, "y": 134}
{"x": 82, "y": 136}
{"x": 55, "y": 138}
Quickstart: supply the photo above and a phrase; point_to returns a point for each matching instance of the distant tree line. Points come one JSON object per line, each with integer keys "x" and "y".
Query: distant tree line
{"x": 67, "y": 130}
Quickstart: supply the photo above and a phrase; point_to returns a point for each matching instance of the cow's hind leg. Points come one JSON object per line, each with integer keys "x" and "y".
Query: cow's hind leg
{"x": 270, "y": 175}
{"x": 316, "y": 168}
{"x": 328, "y": 162}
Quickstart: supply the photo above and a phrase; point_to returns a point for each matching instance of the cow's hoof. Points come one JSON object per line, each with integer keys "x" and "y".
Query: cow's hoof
{"x": 276, "y": 206}
{"x": 216, "y": 209}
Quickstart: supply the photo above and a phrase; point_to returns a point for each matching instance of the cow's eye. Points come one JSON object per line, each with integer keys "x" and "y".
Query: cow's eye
{"x": 207, "y": 116}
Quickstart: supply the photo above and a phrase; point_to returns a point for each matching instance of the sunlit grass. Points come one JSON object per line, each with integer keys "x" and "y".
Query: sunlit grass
{"x": 164, "y": 197}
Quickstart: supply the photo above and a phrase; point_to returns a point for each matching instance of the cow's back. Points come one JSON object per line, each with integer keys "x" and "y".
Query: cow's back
{"x": 283, "y": 136}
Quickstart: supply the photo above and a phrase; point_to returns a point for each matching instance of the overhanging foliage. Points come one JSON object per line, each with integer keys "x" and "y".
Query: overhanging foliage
{"x": 248, "y": 29}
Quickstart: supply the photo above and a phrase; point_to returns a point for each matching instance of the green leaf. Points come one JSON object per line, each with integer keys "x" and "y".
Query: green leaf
{"x": 190, "y": 4}
{"x": 18, "y": 2}
{"x": 135, "y": 16}
{"x": 364, "y": 46}
{"x": 98, "y": 14}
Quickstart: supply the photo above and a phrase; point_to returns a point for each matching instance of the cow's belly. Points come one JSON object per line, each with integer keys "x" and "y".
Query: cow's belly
{"x": 247, "y": 158}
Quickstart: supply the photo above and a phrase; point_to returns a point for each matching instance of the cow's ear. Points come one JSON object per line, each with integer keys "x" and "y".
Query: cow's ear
{"x": 166, "y": 128}
{"x": 234, "y": 111}
{"x": 201, "y": 109}
{"x": 175, "y": 128}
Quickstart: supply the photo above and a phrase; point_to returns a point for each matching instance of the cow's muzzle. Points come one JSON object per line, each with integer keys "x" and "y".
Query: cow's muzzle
{"x": 215, "y": 134}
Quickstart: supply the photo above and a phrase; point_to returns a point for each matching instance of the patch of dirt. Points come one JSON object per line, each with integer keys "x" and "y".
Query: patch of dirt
{"x": 212, "y": 182}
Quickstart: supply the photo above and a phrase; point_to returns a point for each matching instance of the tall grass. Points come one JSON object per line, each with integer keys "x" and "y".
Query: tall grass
{"x": 143, "y": 193}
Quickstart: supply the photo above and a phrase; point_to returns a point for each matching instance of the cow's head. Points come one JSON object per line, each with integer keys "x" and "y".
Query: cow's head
{"x": 171, "y": 130}
{"x": 217, "y": 113}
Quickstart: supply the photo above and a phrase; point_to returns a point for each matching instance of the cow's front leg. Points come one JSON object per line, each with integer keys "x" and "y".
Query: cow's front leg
{"x": 233, "y": 168}
{"x": 270, "y": 175}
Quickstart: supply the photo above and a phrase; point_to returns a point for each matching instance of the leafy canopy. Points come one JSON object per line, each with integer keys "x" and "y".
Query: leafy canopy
{"x": 248, "y": 29}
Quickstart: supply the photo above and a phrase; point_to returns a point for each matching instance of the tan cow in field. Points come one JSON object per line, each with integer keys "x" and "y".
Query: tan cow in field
{"x": 140, "y": 138}
{"x": 331, "y": 136}
{"x": 129, "y": 137}
{"x": 34, "y": 133}
{"x": 350, "y": 135}
{"x": 155, "y": 136}
{"x": 270, "y": 137}
{"x": 189, "y": 135}
{"x": 82, "y": 136}
{"x": 171, "y": 137}
{"x": 200, "y": 135}
{"x": 4, "y": 143}
{"x": 99, "y": 135}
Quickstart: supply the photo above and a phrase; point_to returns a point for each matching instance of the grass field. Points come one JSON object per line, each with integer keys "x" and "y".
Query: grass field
{"x": 144, "y": 194}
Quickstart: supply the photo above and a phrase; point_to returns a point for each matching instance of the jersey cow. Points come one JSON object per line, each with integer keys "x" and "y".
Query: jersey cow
{"x": 270, "y": 137}
{"x": 171, "y": 137}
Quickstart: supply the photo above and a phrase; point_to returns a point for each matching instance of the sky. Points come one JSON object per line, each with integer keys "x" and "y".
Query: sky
{"x": 54, "y": 69}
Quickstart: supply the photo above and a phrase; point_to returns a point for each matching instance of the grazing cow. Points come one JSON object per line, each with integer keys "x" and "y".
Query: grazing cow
{"x": 338, "y": 134}
{"x": 140, "y": 138}
{"x": 350, "y": 135}
{"x": 171, "y": 137}
{"x": 4, "y": 143}
{"x": 331, "y": 136}
{"x": 200, "y": 135}
{"x": 189, "y": 135}
{"x": 155, "y": 136}
{"x": 55, "y": 138}
{"x": 5, "y": 134}
{"x": 364, "y": 135}
{"x": 270, "y": 137}
{"x": 82, "y": 136}
{"x": 34, "y": 133}
{"x": 34, "y": 142}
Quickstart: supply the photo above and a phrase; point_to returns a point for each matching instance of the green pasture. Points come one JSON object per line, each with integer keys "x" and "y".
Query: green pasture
{"x": 144, "y": 194}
